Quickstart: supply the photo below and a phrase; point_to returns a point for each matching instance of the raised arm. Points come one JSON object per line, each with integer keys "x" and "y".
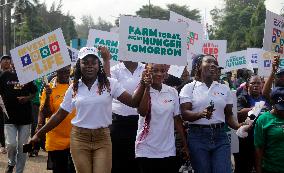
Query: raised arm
{"x": 45, "y": 108}
{"x": 106, "y": 59}
{"x": 268, "y": 84}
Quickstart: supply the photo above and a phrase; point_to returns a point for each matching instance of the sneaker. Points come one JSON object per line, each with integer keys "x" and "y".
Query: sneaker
{"x": 3, "y": 150}
{"x": 9, "y": 169}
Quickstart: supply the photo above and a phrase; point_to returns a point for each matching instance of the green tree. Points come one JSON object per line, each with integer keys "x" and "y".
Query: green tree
{"x": 240, "y": 23}
{"x": 156, "y": 12}
{"x": 89, "y": 23}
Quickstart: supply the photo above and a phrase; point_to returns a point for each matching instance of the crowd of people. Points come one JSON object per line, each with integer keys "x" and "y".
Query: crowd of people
{"x": 136, "y": 118}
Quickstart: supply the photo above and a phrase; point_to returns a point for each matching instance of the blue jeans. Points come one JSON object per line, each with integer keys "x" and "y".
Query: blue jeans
{"x": 16, "y": 136}
{"x": 209, "y": 150}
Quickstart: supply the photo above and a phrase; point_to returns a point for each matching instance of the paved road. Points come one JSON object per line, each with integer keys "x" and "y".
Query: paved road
{"x": 33, "y": 165}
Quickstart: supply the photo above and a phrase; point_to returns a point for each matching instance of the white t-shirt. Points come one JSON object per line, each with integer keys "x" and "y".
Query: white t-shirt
{"x": 130, "y": 82}
{"x": 92, "y": 110}
{"x": 200, "y": 96}
{"x": 160, "y": 141}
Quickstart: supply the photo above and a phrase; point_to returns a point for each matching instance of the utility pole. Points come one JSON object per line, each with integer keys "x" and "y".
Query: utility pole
{"x": 149, "y": 8}
{"x": 1, "y": 25}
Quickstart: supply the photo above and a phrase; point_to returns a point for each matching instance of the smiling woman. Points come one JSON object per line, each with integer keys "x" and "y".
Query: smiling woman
{"x": 91, "y": 94}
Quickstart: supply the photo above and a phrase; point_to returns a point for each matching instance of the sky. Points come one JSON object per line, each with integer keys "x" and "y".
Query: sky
{"x": 109, "y": 10}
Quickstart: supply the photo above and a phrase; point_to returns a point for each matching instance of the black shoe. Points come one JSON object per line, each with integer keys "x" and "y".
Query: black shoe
{"x": 9, "y": 169}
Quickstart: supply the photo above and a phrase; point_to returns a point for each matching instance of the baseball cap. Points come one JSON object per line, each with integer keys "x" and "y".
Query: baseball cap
{"x": 84, "y": 51}
{"x": 5, "y": 57}
{"x": 277, "y": 97}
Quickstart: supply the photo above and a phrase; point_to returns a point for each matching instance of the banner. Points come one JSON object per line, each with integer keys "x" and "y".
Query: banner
{"x": 194, "y": 35}
{"x": 236, "y": 60}
{"x": 274, "y": 33}
{"x": 218, "y": 48}
{"x": 152, "y": 41}
{"x": 253, "y": 55}
{"x": 41, "y": 56}
{"x": 265, "y": 63}
{"x": 73, "y": 53}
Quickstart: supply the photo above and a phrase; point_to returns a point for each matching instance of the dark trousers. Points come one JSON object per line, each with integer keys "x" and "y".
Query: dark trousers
{"x": 2, "y": 136}
{"x": 123, "y": 134}
{"x": 245, "y": 159}
{"x": 155, "y": 165}
{"x": 60, "y": 161}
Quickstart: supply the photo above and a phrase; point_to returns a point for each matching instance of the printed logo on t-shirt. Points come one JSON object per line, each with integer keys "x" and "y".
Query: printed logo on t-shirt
{"x": 17, "y": 85}
{"x": 167, "y": 101}
{"x": 218, "y": 93}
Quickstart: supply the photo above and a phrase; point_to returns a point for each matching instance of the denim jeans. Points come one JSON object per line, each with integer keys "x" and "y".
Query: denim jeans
{"x": 209, "y": 150}
{"x": 16, "y": 136}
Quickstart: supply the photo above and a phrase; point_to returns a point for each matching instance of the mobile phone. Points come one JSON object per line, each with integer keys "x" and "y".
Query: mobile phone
{"x": 27, "y": 148}
{"x": 211, "y": 106}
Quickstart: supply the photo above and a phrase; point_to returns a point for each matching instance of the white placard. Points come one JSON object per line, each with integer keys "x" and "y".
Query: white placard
{"x": 176, "y": 70}
{"x": 265, "y": 63}
{"x": 236, "y": 60}
{"x": 253, "y": 55}
{"x": 194, "y": 35}
{"x": 41, "y": 56}
{"x": 218, "y": 48}
{"x": 98, "y": 38}
{"x": 152, "y": 41}
{"x": 274, "y": 33}
{"x": 73, "y": 53}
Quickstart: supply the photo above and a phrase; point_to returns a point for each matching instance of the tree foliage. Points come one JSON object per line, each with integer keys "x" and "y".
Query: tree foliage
{"x": 89, "y": 23}
{"x": 157, "y": 12}
{"x": 33, "y": 19}
{"x": 240, "y": 22}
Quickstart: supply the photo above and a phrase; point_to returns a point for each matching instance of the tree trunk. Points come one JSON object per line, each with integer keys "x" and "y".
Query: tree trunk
{"x": 1, "y": 26}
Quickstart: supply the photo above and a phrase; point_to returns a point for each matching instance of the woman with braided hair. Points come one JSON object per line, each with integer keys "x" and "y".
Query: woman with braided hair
{"x": 91, "y": 94}
{"x": 207, "y": 106}
{"x": 159, "y": 115}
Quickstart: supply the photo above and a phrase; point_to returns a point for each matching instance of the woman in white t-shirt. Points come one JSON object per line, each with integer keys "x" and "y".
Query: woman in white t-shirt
{"x": 207, "y": 106}
{"x": 91, "y": 94}
{"x": 159, "y": 114}
{"x": 125, "y": 119}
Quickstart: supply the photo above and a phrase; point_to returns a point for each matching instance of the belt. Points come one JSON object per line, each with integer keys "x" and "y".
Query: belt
{"x": 211, "y": 126}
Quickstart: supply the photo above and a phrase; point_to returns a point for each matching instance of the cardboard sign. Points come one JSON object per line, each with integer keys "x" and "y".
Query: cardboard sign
{"x": 274, "y": 33}
{"x": 152, "y": 41}
{"x": 236, "y": 60}
{"x": 176, "y": 70}
{"x": 265, "y": 63}
{"x": 98, "y": 38}
{"x": 73, "y": 53}
{"x": 218, "y": 48}
{"x": 41, "y": 56}
{"x": 194, "y": 35}
{"x": 253, "y": 55}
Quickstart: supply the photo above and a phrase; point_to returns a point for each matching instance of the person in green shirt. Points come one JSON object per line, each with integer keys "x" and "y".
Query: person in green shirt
{"x": 269, "y": 136}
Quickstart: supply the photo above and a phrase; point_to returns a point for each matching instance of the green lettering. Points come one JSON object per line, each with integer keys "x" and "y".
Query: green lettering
{"x": 114, "y": 43}
{"x": 145, "y": 31}
{"x": 142, "y": 49}
{"x": 137, "y": 31}
{"x": 166, "y": 43}
{"x": 150, "y": 49}
{"x": 163, "y": 51}
{"x": 157, "y": 50}
{"x": 108, "y": 43}
{"x": 170, "y": 51}
{"x": 178, "y": 44}
{"x": 146, "y": 40}
{"x": 177, "y": 52}
{"x": 153, "y": 33}
{"x": 97, "y": 40}
{"x": 134, "y": 48}
{"x": 130, "y": 29}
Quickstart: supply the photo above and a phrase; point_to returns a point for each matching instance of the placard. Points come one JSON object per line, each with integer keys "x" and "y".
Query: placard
{"x": 274, "y": 33}
{"x": 194, "y": 35}
{"x": 218, "y": 48}
{"x": 265, "y": 63}
{"x": 176, "y": 70}
{"x": 253, "y": 55}
{"x": 73, "y": 53}
{"x": 41, "y": 56}
{"x": 236, "y": 60}
{"x": 152, "y": 41}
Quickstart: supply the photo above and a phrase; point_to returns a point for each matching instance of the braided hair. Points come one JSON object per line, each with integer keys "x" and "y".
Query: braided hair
{"x": 103, "y": 82}
{"x": 196, "y": 68}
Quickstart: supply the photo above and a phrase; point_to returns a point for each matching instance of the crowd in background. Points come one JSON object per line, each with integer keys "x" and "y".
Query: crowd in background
{"x": 135, "y": 117}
